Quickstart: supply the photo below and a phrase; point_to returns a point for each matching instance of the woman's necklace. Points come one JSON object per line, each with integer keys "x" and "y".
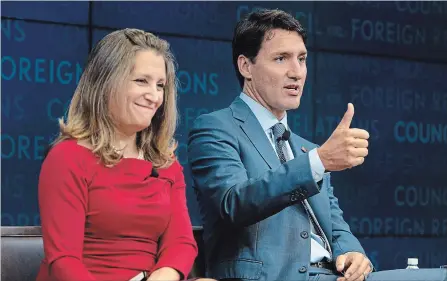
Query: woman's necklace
{"x": 140, "y": 153}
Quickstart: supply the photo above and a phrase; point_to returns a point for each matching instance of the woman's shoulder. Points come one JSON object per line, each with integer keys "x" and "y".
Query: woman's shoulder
{"x": 172, "y": 171}
{"x": 69, "y": 150}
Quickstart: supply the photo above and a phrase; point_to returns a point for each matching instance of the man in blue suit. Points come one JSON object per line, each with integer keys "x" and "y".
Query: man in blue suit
{"x": 268, "y": 206}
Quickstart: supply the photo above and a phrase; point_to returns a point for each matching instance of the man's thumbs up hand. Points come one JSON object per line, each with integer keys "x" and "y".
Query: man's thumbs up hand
{"x": 346, "y": 147}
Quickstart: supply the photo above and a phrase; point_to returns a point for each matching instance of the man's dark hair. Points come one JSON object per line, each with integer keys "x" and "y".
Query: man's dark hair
{"x": 250, "y": 31}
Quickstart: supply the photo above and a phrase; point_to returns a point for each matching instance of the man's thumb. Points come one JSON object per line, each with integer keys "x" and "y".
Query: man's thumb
{"x": 341, "y": 263}
{"x": 347, "y": 118}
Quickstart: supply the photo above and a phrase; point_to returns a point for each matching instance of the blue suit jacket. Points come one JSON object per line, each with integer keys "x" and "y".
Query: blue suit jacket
{"x": 255, "y": 227}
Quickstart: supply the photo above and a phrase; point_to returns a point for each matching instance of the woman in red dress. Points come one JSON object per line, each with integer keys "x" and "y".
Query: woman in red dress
{"x": 111, "y": 192}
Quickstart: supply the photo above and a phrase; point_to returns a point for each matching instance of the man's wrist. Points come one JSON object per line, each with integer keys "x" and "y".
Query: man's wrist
{"x": 321, "y": 155}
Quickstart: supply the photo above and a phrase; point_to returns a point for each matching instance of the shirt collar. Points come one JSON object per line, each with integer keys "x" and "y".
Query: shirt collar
{"x": 264, "y": 116}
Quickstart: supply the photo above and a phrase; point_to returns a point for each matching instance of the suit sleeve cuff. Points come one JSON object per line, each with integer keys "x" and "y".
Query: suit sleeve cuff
{"x": 316, "y": 165}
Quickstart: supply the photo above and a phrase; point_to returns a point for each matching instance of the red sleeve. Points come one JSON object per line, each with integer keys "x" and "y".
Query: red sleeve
{"x": 177, "y": 247}
{"x": 63, "y": 202}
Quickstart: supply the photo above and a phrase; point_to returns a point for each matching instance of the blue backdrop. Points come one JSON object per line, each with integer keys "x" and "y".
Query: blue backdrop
{"x": 388, "y": 58}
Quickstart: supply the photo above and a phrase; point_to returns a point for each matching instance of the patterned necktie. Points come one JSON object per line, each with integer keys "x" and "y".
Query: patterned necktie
{"x": 280, "y": 145}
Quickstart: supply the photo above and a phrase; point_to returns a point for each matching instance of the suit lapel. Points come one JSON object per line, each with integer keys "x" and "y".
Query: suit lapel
{"x": 253, "y": 130}
{"x": 256, "y": 134}
{"x": 296, "y": 145}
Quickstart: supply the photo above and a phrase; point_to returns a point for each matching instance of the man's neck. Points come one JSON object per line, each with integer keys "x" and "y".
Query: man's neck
{"x": 253, "y": 94}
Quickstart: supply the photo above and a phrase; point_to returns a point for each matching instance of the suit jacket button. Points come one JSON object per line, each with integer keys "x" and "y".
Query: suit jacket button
{"x": 304, "y": 234}
{"x": 303, "y": 269}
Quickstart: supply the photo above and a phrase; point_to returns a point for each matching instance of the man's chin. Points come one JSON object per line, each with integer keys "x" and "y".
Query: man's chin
{"x": 292, "y": 106}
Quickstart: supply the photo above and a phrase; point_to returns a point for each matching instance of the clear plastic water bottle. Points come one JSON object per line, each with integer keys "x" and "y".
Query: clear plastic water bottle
{"x": 413, "y": 263}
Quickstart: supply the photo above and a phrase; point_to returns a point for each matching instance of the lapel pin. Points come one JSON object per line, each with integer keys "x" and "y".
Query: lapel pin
{"x": 303, "y": 149}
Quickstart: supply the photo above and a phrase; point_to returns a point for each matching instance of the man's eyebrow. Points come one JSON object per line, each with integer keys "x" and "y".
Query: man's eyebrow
{"x": 285, "y": 53}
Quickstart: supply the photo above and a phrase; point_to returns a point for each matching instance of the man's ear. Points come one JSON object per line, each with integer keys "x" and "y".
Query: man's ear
{"x": 244, "y": 65}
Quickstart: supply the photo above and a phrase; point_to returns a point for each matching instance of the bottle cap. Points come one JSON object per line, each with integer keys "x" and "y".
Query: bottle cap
{"x": 413, "y": 261}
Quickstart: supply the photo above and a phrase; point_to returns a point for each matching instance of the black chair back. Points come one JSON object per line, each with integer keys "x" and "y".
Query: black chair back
{"x": 22, "y": 252}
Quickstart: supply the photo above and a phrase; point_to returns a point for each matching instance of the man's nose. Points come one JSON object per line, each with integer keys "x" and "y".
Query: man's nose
{"x": 296, "y": 71}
